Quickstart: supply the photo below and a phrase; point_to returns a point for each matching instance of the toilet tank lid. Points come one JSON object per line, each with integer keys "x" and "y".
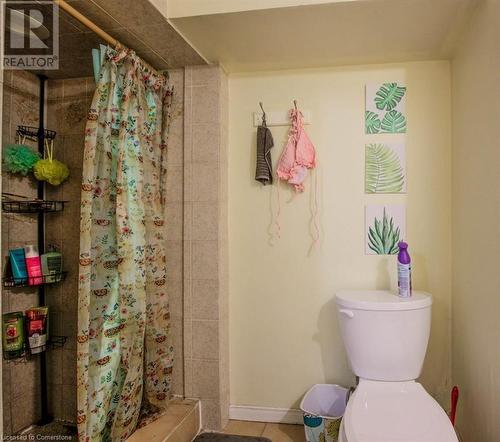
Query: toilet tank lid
{"x": 381, "y": 300}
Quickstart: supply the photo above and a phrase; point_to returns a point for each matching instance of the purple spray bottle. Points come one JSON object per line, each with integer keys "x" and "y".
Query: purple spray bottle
{"x": 404, "y": 271}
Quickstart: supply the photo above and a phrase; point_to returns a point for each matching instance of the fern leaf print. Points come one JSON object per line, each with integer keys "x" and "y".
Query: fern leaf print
{"x": 384, "y": 172}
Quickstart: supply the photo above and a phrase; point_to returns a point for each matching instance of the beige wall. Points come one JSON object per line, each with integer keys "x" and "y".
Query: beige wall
{"x": 283, "y": 329}
{"x": 476, "y": 227}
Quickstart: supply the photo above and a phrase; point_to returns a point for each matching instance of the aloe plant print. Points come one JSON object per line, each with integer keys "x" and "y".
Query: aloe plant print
{"x": 372, "y": 123}
{"x": 384, "y": 235}
{"x": 394, "y": 122}
{"x": 388, "y": 96}
{"x": 384, "y": 172}
{"x": 385, "y": 108}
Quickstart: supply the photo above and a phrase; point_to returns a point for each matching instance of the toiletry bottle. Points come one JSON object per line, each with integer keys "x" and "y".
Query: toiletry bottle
{"x": 13, "y": 335}
{"x": 404, "y": 271}
{"x": 18, "y": 266}
{"x": 33, "y": 265}
{"x": 37, "y": 326}
{"x": 51, "y": 266}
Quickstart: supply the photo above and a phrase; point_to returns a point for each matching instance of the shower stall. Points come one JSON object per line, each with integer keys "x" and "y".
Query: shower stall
{"x": 39, "y": 392}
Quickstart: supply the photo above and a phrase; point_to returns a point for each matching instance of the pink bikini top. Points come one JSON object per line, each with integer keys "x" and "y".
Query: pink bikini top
{"x": 298, "y": 155}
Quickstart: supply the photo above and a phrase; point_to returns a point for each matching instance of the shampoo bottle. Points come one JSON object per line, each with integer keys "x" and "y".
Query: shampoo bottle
{"x": 13, "y": 335}
{"x": 33, "y": 265}
{"x": 404, "y": 271}
{"x": 37, "y": 326}
{"x": 51, "y": 266}
{"x": 18, "y": 266}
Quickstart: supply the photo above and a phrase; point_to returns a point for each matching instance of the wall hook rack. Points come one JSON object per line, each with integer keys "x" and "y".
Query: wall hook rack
{"x": 280, "y": 118}
{"x": 263, "y": 113}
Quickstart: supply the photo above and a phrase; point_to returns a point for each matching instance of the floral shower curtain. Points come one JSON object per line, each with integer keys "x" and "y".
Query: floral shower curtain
{"x": 124, "y": 346}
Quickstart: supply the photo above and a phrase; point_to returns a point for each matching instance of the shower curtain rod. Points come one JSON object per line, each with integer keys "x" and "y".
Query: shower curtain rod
{"x": 96, "y": 29}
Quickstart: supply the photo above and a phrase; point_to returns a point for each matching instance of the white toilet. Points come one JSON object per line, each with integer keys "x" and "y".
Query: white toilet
{"x": 386, "y": 337}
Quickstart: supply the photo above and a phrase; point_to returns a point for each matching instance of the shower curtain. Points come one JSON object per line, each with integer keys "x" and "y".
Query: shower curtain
{"x": 124, "y": 347}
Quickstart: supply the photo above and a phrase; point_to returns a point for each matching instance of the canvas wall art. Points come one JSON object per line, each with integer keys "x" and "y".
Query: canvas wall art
{"x": 385, "y": 108}
{"x": 385, "y": 227}
{"x": 385, "y": 168}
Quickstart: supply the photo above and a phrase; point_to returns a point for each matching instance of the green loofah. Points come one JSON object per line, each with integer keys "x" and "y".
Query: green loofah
{"x": 52, "y": 171}
{"x": 18, "y": 158}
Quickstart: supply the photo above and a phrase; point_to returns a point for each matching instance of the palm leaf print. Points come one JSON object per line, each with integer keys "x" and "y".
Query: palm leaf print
{"x": 383, "y": 171}
{"x": 372, "y": 123}
{"x": 394, "y": 122}
{"x": 389, "y": 95}
{"x": 383, "y": 236}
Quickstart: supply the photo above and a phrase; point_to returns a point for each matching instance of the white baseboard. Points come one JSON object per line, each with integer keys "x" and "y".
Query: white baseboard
{"x": 265, "y": 414}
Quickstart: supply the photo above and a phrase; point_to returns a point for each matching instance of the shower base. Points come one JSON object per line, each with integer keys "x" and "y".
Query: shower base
{"x": 56, "y": 428}
{"x": 180, "y": 423}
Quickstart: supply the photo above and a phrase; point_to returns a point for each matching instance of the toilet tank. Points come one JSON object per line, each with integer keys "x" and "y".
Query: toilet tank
{"x": 385, "y": 336}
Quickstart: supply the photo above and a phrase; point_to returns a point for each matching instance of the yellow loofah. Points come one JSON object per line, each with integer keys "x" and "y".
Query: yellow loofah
{"x": 52, "y": 171}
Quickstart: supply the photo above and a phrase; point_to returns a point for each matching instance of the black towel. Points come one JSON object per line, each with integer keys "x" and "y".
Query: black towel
{"x": 264, "y": 169}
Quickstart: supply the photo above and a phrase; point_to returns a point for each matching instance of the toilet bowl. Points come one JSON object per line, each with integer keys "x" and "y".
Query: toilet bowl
{"x": 394, "y": 411}
{"x": 386, "y": 339}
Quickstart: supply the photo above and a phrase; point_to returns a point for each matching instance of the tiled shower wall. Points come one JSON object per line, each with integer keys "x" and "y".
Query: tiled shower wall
{"x": 67, "y": 104}
{"x": 20, "y": 381}
{"x": 205, "y": 243}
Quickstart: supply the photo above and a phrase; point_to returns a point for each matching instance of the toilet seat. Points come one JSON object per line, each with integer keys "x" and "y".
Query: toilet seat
{"x": 395, "y": 412}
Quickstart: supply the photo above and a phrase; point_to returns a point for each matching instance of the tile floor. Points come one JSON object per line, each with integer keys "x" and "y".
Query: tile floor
{"x": 275, "y": 432}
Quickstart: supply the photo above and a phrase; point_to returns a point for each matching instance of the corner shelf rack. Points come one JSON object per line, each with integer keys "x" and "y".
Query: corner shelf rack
{"x": 32, "y": 206}
{"x": 39, "y": 206}
{"x": 12, "y": 282}
{"x": 53, "y": 343}
{"x": 35, "y": 133}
